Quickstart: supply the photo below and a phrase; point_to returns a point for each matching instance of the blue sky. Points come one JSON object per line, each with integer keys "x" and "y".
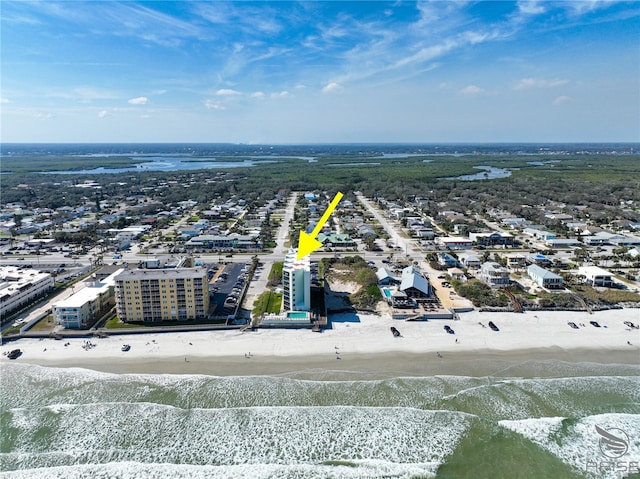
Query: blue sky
{"x": 304, "y": 72}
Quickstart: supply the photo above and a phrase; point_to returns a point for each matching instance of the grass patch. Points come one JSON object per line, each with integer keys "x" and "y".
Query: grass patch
{"x": 115, "y": 323}
{"x": 267, "y": 302}
{"x": 606, "y": 296}
{"x": 479, "y": 293}
{"x": 275, "y": 275}
{"x": 45, "y": 324}
{"x": 12, "y": 330}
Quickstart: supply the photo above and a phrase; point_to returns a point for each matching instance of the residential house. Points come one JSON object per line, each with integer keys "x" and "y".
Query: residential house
{"x": 386, "y": 277}
{"x": 469, "y": 260}
{"x": 515, "y": 260}
{"x": 414, "y": 285}
{"x": 539, "y": 234}
{"x": 539, "y": 259}
{"x": 514, "y": 222}
{"x": 494, "y": 275}
{"x": 596, "y": 276}
{"x": 445, "y": 259}
{"x": 545, "y": 278}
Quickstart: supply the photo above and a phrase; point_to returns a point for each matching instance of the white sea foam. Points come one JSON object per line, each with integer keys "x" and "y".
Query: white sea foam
{"x": 525, "y": 398}
{"x": 137, "y": 470}
{"x": 576, "y": 442}
{"x": 142, "y": 432}
{"x": 39, "y": 386}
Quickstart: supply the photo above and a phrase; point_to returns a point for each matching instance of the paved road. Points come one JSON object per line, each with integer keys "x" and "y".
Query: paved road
{"x": 259, "y": 283}
{"x": 409, "y": 246}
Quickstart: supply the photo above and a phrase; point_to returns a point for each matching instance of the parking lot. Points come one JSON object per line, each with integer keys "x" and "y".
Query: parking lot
{"x": 227, "y": 285}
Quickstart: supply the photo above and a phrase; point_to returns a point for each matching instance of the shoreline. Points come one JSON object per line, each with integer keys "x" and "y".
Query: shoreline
{"x": 549, "y": 362}
{"x": 362, "y": 345}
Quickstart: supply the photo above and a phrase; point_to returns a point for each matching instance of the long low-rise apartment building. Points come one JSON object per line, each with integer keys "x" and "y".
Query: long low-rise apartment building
{"x": 179, "y": 294}
{"x": 86, "y": 305}
{"x": 226, "y": 242}
{"x": 19, "y": 287}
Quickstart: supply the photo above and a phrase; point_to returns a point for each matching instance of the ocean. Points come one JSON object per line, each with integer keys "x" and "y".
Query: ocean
{"x": 78, "y": 423}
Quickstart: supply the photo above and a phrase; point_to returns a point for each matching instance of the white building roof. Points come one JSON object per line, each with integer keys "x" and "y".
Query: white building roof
{"x": 412, "y": 279}
{"x": 88, "y": 293}
{"x": 542, "y": 273}
{"x": 591, "y": 271}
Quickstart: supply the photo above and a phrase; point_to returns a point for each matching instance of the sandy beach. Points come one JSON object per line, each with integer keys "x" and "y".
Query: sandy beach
{"x": 357, "y": 343}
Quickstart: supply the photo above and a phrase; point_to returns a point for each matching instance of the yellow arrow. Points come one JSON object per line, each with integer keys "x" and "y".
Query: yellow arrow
{"x": 308, "y": 243}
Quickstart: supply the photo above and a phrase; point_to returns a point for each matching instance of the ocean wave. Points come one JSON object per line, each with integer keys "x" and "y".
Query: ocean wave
{"x": 491, "y": 398}
{"x": 138, "y": 470}
{"x": 575, "y": 441}
{"x": 143, "y": 432}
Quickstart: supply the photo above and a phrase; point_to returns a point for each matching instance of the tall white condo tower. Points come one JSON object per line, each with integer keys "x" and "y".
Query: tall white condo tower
{"x": 296, "y": 282}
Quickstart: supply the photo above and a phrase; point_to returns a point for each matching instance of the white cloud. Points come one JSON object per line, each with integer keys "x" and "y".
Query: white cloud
{"x": 141, "y": 100}
{"x": 561, "y": 100}
{"x": 282, "y": 94}
{"x": 531, "y": 7}
{"x": 471, "y": 90}
{"x": 257, "y": 94}
{"x": 102, "y": 114}
{"x": 332, "y": 87}
{"x": 587, "y": 6}
{"x": 214, "y": 105}
{"x": 227, "y": 92}
{"x": 527, "y": 83}
{"x": 4, "y": 100}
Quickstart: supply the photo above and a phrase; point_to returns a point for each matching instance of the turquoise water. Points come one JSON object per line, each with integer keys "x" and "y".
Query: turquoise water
{"x": 296, "y": 314}
{"x": 73, "y": 423}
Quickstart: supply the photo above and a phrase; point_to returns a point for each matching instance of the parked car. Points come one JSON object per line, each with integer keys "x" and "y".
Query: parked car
{"x": 14, "y": 354}
{"x": 448, "y": 329}
{"x": 595, "y": 323}
{"x": 493, "y": 326}
{"x": 573, "y": 325}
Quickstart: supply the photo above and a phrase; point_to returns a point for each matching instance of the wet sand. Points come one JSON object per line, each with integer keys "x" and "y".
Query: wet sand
{"x": 526, "y": 363}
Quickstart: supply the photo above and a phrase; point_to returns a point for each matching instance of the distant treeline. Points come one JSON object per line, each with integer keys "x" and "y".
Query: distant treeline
{"x": 599, "y": 182}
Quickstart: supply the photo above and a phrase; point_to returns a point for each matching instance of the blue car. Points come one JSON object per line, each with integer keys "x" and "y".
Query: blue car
{"x": 448, "y": 329}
